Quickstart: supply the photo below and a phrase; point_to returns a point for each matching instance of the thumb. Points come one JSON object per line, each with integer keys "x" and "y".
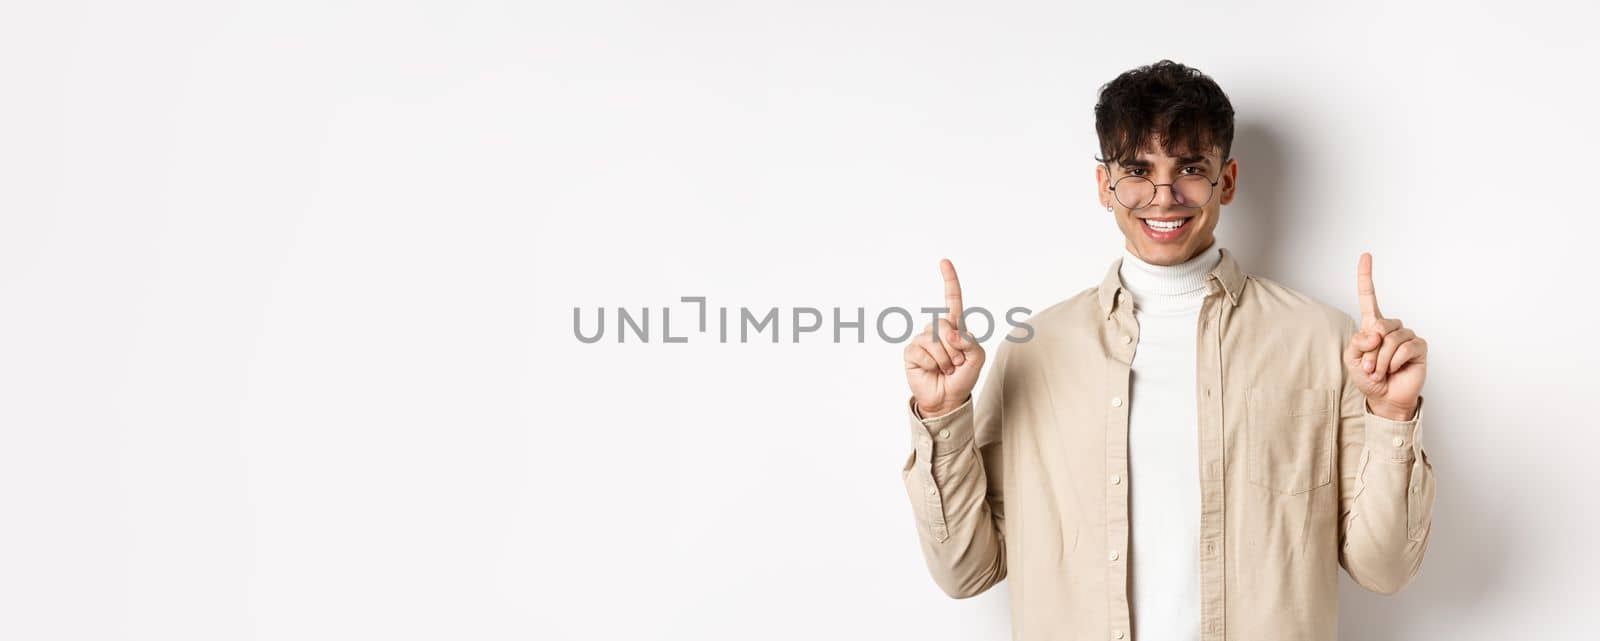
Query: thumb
{"x": 1368, "y": 340}
{"x": 958, "y": 339}
{"x": 1360, "y": 344}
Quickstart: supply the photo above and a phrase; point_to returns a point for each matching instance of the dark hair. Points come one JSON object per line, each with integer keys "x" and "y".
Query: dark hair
{"x": 1184, "y": 108}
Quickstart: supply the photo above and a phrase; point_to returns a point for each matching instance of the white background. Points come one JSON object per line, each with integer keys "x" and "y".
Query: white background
{"x": 286, "y": 345}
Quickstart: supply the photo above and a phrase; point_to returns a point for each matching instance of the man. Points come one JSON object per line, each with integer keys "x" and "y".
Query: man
{"x": 1185, "y": 451}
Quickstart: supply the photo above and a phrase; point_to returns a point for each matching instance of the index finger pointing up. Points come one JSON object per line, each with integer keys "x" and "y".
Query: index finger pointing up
{"x": 1369, "y": 297}
{"x": 952, "y": 291}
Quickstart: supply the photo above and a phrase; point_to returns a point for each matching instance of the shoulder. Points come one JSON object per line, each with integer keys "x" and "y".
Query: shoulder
{"x": 1284, "y": 306}
{"x": 1075, "y": 309}
{"x": 1060, "y": 324}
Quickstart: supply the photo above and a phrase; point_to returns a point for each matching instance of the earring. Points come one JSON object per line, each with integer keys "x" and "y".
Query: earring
{"x": 1108, "y": 208}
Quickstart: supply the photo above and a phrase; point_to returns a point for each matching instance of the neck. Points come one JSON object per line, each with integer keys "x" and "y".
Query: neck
{"x": 1168, "y": 286}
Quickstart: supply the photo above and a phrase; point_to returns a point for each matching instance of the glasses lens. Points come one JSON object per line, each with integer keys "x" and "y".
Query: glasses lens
{"x": 1134, "y": 191}
{"x": 1192, "y": 190}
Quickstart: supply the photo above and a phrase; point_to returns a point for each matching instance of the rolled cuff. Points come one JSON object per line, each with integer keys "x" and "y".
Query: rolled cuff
{"x": 1397, "y": 441}
{"x": 948, "y": 432}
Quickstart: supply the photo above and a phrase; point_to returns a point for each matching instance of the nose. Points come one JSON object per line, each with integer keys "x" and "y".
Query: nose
{"x": 1165, "y": 197}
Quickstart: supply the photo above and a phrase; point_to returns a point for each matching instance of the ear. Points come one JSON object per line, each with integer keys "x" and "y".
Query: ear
{"x": 1230, "y": 180}
{"x": 1102, "y": 179}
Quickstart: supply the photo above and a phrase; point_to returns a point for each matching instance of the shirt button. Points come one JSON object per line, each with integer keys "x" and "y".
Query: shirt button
{"x": 931, "y": 491}
{"x": 1398, "y": 441}
{"x": 1119, "y": 634}
{"x": 1116, "y": 401}
{"x": 1116, "y": 479}
{"x": 1126, "y": 339}
{"x": 1416, "y": 488}
{"x": 1113, "y": 555}
{"x": 944, "y": 434}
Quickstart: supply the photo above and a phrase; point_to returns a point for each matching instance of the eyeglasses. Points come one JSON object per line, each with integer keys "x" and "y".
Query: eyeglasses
{"x": 1189, "y": 190}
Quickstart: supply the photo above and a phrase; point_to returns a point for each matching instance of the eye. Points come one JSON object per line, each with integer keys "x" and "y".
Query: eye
{"x": 1197, "y": 170}
{"x": 1135, "y": 172}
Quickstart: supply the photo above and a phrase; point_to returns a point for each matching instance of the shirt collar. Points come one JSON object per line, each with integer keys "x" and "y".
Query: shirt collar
{"x": 1227, "y": 272}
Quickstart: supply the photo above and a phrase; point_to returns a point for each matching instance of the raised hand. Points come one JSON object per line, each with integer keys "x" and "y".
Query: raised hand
{"x": 942, "y": 361}
{"x": 1387, "y": 360}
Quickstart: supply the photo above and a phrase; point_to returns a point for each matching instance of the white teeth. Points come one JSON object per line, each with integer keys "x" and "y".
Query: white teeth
{"x": 1165, "y": 226}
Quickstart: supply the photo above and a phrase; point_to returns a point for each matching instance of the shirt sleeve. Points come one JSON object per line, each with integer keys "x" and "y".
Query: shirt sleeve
{"x": 1386, "y": 492}
{"x": 953, "y": 479}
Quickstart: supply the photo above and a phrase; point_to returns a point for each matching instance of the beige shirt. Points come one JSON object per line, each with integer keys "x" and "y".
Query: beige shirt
{"x": 1028, "y": 479}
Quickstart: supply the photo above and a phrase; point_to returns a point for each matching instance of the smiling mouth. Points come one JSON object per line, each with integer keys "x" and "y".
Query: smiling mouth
{"x": 1166, "y": 224}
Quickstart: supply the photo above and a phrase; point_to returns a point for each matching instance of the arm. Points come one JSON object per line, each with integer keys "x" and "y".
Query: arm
{"x": 1386, "y": 491}
{"x": 953, "y": 477}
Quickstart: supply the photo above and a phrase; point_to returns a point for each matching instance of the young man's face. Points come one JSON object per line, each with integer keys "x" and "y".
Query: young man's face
{"x": 1156, "y": 244}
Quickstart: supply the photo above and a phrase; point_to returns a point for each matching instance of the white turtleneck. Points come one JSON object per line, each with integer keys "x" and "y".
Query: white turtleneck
{"x": 1163, "y": 445}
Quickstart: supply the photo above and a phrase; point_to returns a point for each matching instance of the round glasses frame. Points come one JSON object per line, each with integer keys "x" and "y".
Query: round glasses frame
{"x": 1211, "y": 191}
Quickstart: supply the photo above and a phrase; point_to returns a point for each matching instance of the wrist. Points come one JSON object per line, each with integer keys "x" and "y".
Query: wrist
{"x": 935, "y": 412}
{"x": 1392, "y": 411}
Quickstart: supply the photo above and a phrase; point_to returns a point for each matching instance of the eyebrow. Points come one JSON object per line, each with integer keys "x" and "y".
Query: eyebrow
{"x": 1182, "y": 160}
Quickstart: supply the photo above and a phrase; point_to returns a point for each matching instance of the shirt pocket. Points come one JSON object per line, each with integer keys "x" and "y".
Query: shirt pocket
{"x": 1290, "y": 435}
